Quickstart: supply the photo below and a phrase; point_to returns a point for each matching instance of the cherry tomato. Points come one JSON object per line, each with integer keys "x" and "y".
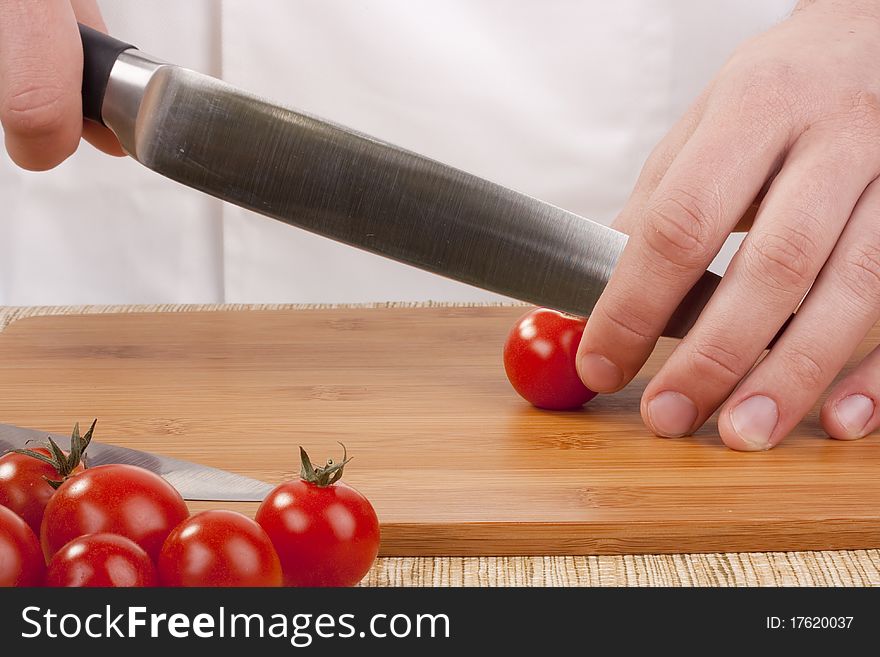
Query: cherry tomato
{"x": 101, "y": 560}
{"x": 219, "y": 548}
{"x": 539, "y": 358}
{"x": 325, "y": 532}
{"x": 115, "y": 499}
{"x": 23, "y": 485}
{"x": 21, "y": 561}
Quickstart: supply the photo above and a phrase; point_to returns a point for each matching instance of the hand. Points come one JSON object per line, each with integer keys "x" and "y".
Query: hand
{"x": 791, "y": 122}
{"x": 40, "y": 80}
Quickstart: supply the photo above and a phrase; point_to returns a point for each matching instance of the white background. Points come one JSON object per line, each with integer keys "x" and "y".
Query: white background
{"x": 561, "y": 99}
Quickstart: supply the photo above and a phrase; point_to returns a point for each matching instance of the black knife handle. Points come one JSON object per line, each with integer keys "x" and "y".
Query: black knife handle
{"x": 99, "y": 54}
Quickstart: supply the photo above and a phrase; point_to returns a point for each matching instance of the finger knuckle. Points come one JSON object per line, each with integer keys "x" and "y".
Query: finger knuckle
{"x": 679, "y": 226}
{"x": 635, "y": 326}
{"x": 34, "y": 110}
{"x": 769, "y": 84}
{"x": 864, "y": 112}
{"x": 713, "y": 361}
{"x": 859, "y": 272}
{"x": 769, "y": 94}
{"x": 804, "y": 370}
{"x": 782, "y": 258}
{"x": 767, "y": 77}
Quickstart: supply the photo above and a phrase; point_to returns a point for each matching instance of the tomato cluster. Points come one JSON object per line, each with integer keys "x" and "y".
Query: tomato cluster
{"x": 118, "y": 525}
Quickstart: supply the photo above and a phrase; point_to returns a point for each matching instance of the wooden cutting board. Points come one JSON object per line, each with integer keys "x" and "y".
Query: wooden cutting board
{"x": 454, "y": 462}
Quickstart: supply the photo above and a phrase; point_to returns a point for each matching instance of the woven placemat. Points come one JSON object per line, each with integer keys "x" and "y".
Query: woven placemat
{"x": 832, "y": 568}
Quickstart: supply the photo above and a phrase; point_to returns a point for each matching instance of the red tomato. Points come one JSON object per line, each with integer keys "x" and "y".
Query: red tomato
{"x": 114, "y": 499}
{"x": 21, "y": 562}
{"x": 219, "y": 548}
{"x": 101, "y": 560}
{"x": 23, "y": 485}
{"x": 325, "y": 532}
{"x": 539, "y": 358}
{"x": 25, "y": 477}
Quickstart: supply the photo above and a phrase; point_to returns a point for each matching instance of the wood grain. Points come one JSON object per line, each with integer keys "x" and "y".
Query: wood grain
{"x": 454, "y": 461}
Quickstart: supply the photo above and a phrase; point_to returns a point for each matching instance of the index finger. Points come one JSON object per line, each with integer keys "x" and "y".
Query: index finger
{"x": 710, "y": 185}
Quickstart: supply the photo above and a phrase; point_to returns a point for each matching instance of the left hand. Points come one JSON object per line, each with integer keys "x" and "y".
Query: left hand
{"x": 792, "y": 121}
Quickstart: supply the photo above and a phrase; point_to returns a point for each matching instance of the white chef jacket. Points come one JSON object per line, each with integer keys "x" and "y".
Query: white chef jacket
{"x": 560, "y": 99}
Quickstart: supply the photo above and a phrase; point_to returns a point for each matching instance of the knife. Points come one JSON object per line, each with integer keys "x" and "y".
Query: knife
{"x": 350, "y": 187}
{"x": 193, "y": 481}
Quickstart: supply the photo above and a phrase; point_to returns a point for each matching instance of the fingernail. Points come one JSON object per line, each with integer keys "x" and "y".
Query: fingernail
{"x": 671, "y": 414}
{"x": 754, "y": 421}
{"x": 599, "y": 373}
{"x": 853, "y": 413}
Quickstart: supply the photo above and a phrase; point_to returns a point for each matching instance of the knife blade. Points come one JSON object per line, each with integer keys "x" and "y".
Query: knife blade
{"x": 350, "y": 187}
{"x": 193, "y": 481}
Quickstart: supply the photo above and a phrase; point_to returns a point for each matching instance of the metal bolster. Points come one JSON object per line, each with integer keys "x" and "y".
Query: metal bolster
{"x": 127, "y": 89}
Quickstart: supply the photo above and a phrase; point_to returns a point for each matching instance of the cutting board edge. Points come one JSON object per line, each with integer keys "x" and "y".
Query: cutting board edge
{"x": 580, "y": 538}
{"x": 489, "y": 538}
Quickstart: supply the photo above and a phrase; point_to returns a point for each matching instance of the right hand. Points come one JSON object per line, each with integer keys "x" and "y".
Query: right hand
{"x": 41, "y": 64}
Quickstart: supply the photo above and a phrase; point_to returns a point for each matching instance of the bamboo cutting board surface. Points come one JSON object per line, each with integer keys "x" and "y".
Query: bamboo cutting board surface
{"x": 453, "y": 460}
